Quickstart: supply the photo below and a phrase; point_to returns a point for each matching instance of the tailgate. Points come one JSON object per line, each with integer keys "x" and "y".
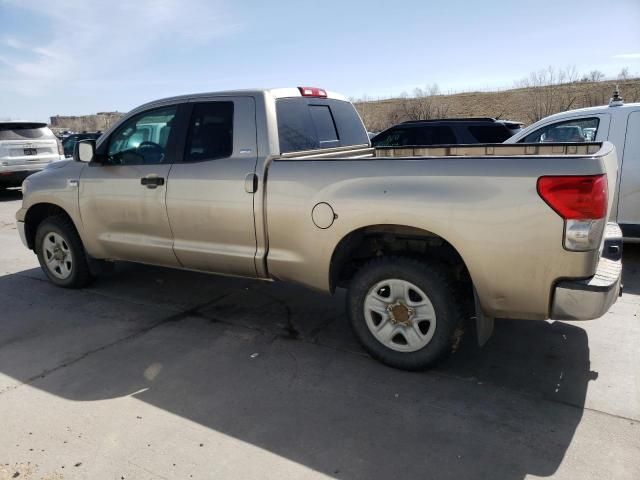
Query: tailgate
{"x": 28, "y": 152}
{"x": 24, "y": 144}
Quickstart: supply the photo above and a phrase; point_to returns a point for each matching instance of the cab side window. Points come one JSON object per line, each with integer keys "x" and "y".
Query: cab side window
{"x": 143, "y": 139}
{"x": 210, "y": 134}
{"x": 577, "y": 130}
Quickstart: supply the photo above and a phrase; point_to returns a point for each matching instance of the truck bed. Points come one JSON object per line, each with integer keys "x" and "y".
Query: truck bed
{"x": 476, "y": 150}
{"x": 496, "y": 150}
{"x": 480, "y": 199}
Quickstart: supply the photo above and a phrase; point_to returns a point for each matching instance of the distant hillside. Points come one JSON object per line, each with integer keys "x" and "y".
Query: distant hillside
{"x": 521, "y": 104}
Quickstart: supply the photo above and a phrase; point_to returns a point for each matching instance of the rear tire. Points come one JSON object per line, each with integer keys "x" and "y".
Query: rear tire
{"x": 61, "y": 253}
{"x": 403, "y": 311}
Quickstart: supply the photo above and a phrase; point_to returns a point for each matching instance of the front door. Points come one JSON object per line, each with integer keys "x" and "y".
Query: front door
{"x": 122, "y": 198}
{"x": 210, "y": 192}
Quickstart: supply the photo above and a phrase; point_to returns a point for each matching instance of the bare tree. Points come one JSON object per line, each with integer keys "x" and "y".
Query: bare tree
{"x": 595, "y": 75}
{"x": 425, "y": 104}
{"x": 624, "y": 74}
{"x": 632, "y": 92}
{"x": 365, "y": 109}
{"x": 549, "y": 92}
{"x": 593, "y": 98}
{"x": 571, "y": 74}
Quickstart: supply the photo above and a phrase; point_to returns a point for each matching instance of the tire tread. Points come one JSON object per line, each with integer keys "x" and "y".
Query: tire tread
{"x": 81, "y": 275}
{"x": 449, "y": 319}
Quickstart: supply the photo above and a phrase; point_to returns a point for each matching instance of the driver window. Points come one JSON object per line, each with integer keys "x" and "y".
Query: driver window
{"x": 142, "y": 140}
{"x": 576, "y": 130}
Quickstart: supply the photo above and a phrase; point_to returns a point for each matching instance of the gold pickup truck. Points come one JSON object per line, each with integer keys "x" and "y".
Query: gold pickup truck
{"x": 282, "y": 184}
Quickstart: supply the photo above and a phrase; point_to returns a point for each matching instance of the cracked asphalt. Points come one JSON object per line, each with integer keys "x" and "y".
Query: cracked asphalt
{"x": 156, "y": 373}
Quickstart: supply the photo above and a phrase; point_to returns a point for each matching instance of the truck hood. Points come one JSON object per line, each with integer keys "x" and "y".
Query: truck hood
{"x": 60, "y": 164}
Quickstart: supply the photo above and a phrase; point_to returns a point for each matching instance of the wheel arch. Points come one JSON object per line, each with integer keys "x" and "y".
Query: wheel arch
{"x": 364, "y": 243}
{"x": 372, "y": 240}
{"x": 36, "y": 214}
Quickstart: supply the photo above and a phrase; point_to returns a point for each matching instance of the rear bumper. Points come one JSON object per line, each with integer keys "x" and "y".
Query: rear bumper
{"x": 592, "y": 297}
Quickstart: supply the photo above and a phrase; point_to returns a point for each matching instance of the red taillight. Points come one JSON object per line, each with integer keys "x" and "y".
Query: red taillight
{"x": 575, "y": 197}
{"x": 312, "y": 92}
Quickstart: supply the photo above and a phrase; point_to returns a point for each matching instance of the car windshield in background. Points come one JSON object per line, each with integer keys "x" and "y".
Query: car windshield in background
{"x": 579, "y": 130}
{"x": 21, "y": 131}
{"x": 69, "y": 142}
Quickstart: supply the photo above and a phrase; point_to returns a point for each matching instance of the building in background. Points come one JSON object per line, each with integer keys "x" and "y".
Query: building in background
{"x": 101, "y": 121}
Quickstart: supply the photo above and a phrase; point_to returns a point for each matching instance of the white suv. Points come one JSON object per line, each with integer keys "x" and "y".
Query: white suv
{"x": 25, "y": 148}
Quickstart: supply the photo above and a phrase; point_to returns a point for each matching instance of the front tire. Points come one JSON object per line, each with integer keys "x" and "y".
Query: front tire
{"x": 61, "y": 253}
{"x": 403, "y": 311}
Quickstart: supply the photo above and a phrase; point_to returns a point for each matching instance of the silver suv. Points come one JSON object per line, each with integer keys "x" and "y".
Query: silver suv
{"x": 25, "y": 148}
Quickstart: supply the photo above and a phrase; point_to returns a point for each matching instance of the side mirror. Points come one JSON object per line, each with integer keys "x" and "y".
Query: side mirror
{"x": 84, "y": 151}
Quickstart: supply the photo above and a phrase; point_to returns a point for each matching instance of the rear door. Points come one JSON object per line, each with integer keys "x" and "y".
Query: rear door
{"x": 210, "y": 191}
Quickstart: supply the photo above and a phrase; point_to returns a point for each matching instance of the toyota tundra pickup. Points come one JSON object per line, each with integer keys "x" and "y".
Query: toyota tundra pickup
{"x": 282, "y": 184}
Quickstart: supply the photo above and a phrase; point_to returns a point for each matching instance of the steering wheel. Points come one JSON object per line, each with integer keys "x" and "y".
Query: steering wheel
{"x": 151, "y": 151}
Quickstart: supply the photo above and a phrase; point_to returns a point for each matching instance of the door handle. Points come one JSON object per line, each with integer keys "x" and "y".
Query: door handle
{"x": 251, "y": 183}
{"x": 152, "y": 181}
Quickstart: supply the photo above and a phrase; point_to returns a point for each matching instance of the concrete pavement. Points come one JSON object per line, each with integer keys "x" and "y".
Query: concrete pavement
{"x": 156, "y": 373}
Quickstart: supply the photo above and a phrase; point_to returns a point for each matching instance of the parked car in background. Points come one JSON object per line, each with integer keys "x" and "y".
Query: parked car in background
{"x": 618, "y": 123}
{"x": 447, "y": 131}
{"x": 282, "y": 184}
{"x": 69, "y": 142}
{"x": 25, "y": 148}
{"x": 63, "y": 134}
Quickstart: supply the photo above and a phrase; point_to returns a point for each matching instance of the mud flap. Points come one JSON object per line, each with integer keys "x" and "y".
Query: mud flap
{"x": 484, "y": 324}
{"x": 99, "y": 267}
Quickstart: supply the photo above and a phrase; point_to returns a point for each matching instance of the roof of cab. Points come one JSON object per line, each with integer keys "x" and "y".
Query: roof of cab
{"x": 273, "y": 92}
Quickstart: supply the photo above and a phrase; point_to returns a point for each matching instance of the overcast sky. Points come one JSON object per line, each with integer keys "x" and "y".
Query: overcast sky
{"x": 73, "y": 57}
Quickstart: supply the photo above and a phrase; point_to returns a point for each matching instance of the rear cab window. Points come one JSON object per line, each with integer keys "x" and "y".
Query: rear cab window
{"x": 316, "y": 123}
